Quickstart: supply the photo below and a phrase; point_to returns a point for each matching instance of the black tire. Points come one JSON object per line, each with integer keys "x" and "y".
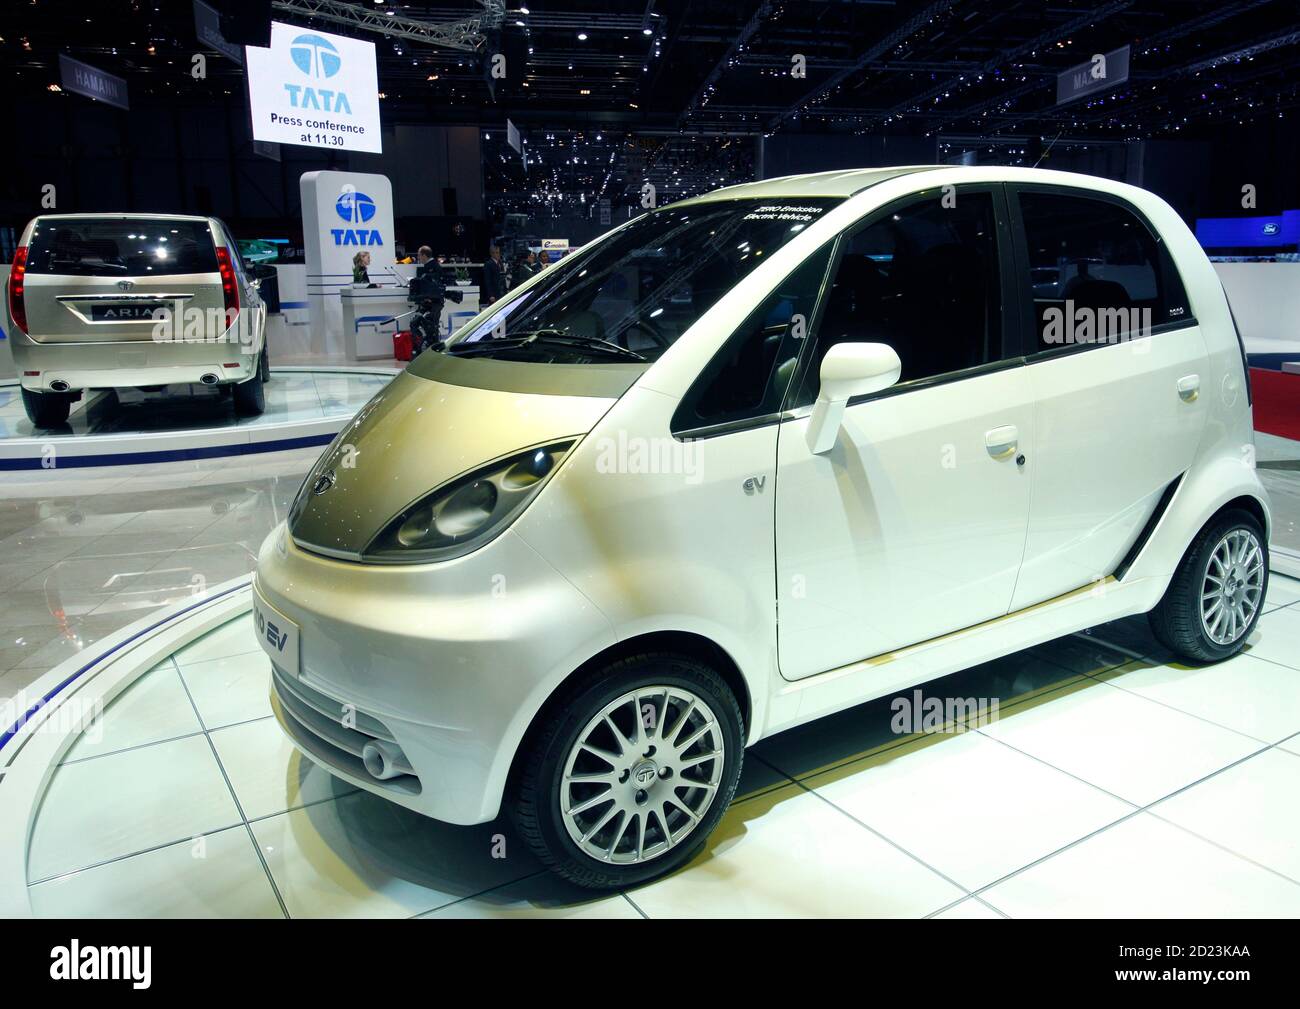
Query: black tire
{"x": 535, "y": 791}
{"x": 264, "y": 366}
{"x": 47, "y": 409}
{"x": 250, "y": 396}
{"x": 1176, "y": 620}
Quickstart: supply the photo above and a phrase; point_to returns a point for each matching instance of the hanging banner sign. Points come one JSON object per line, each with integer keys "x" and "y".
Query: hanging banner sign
{"x": 314, "y": 89}
{"x": 1101, "y": 72}
{"x": 83, "y": 79}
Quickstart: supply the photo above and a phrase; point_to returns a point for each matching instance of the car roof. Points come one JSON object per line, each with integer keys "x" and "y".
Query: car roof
{"x": 836, "y": 183}
{"x": 846, "y": 182}
{"x": 124, "y": 216}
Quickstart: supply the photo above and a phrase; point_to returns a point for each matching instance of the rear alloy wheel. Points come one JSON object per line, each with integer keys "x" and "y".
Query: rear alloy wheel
{"x": 1214, "y": 600}
{"x": 634, "y": 773}
{"x": 47, "y": 409}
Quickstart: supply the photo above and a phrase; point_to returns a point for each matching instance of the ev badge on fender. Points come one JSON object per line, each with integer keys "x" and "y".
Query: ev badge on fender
{"x": 755, "y": 484}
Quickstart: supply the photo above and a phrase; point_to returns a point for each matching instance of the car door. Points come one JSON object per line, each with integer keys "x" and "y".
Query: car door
{"x": 913, "y": 524}
{"x": 1114, "y": 365}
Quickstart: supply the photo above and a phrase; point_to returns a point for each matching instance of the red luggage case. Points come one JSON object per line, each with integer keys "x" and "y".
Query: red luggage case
{"x": 402, "y": 345}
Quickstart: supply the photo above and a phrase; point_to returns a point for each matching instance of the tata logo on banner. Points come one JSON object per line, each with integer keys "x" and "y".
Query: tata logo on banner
{"x": 314, "y": 88}
{"x": 319, "y": 59}
{"x": 355, "y": 208}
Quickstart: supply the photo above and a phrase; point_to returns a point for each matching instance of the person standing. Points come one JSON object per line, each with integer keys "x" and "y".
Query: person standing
{"x": 525, "y": 268}
{"x": 494, "y": 280}
{"x": 361, "y": 268}
{"x": 429, "y": 291}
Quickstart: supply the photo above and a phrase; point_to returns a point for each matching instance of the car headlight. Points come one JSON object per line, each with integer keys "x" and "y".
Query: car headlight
{"x": 463, "y": 515}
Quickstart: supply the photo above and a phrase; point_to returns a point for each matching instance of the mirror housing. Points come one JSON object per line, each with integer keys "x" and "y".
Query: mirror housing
{"x": 848, "y": 370}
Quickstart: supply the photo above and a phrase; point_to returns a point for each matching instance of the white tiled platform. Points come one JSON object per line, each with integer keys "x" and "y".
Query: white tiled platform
{"x": 1111, "y": 785}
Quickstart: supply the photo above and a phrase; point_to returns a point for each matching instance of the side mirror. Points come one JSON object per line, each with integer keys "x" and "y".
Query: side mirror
{"x": 848, "y": 370}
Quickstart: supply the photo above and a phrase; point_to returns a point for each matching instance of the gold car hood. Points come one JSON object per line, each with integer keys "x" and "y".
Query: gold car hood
{"x": 442, "y": 417}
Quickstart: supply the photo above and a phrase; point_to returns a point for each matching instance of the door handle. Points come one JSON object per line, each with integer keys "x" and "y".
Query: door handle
{"x": 1189, "y": 387}
{"x": 1002, "y": 441}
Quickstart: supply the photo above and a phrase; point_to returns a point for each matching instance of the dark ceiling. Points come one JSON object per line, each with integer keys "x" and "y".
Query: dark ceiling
{"x": 964, "y": 66}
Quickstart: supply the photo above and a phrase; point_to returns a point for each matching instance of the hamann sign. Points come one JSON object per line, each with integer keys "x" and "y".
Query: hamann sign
{"x": 314, "y": 89}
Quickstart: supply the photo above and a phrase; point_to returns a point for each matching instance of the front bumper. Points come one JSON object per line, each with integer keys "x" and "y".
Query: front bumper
{"x": 449, "y": 662}
{"x": 129, "y": 365}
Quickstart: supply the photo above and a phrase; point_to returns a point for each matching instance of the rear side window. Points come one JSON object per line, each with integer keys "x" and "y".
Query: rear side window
{"x": 120, "y": 247}
{"x": 1097, "y": 273}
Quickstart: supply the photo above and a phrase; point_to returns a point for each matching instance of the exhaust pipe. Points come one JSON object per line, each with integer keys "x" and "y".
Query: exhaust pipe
{"x": 209, "y": 379}
{"x": 58, "y": 385}
{"x": 385, "y": 760}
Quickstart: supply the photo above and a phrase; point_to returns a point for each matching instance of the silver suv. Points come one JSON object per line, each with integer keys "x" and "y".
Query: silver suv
{"x": 113, "y": 301}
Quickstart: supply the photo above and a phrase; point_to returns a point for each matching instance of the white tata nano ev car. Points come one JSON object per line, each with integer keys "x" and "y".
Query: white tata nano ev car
{"x": 115, "y": 301}
{"x": 750, "y": 459}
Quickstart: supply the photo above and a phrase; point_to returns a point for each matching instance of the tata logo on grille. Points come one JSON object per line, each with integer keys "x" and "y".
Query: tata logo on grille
{"x": 317, "y": 58}
{"x": 355, "y": 208}
{"x": 125, "y": 285}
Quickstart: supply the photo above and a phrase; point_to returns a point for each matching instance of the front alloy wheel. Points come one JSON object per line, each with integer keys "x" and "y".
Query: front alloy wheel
{"x": 642, "y": 774}
{"x": 624, "y": 777}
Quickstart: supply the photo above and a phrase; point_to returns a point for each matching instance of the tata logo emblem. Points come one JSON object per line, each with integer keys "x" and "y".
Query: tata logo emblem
{"x": 644, "y": 774}
{"x": 315, "y": 56}
{"x": 354, "y": 207}
{"x": 1272, "y": 228}
{"x": 323, "y": 482}
{"x": 125, "y": 285}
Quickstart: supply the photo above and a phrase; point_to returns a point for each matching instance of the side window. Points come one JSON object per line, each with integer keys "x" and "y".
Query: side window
{"x": 1097, "y": 273}
{"x": 922, "y": 277}
{"x": 750, "y": 375}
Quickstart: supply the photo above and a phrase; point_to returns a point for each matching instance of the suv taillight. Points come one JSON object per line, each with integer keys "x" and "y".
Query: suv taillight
{"x": 229, "y": 285}
{"x": 17, "y": 306}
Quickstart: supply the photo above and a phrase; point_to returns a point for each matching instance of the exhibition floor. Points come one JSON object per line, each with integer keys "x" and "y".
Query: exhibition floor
{"x": 86, "y": 551}
{"x": 1111, "y": 784}
{"x": 303, "y": 406}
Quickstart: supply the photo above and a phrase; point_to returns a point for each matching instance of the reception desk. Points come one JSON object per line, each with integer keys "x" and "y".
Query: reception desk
{"x": 371, "y": 315}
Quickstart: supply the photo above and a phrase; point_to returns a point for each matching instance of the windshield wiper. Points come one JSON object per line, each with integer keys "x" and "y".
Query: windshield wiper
{"x": 551, "y": 336}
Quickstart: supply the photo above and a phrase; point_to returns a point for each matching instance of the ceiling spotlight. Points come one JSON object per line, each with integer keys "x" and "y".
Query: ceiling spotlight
{"x": 646, "y": 31}
{"x": 582, "y": 36}
{"x": 524, "y": 10}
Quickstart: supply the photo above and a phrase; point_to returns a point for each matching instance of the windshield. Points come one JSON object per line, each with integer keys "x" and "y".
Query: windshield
{"x": 120, "y": 247}
{"x": 630, "y": 297}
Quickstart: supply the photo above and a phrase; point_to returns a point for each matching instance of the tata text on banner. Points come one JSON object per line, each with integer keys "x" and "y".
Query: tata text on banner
{"x": 314, "y": 89}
